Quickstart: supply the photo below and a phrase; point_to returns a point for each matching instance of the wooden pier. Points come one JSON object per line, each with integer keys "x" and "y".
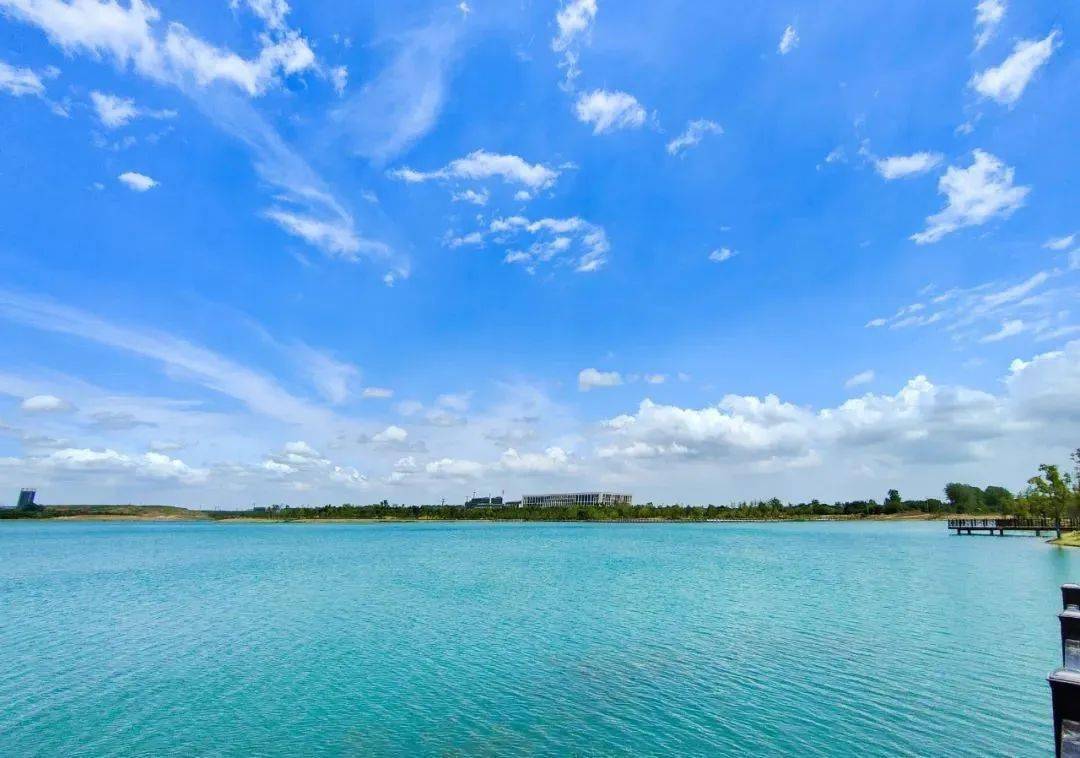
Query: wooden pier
{"x": 1002, "y": 525}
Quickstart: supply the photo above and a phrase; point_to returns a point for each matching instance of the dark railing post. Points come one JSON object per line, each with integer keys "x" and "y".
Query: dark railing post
{"x": 1065, "y": 681}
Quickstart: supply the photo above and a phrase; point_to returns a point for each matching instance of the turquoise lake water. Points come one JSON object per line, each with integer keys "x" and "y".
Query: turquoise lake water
{"x": 512, "y": 639}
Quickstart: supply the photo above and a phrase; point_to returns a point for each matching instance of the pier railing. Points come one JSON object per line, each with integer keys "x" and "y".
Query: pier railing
{"x": 1013, "y": 524}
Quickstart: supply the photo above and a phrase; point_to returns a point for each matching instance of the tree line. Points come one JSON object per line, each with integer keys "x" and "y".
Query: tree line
{"x": 1052, "y": 493}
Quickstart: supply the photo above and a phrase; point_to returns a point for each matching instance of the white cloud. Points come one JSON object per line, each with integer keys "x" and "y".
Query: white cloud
{"x": 1042, "y": 302}
{"x": 722, "y": 254}
{"x": 569, "y": 241}
{"x": 334, "y": 235}
{"x": 130, "y": 36}
{"x": 20, "y": 81}
{"x": 1006, "y": 83}
{"x": 472, "y": 196}
{"x": 1008, "y": 329}
{"x": 552, "y": 460}
{"x": 44, "y": 404}
{"x": 452, "y": 468}
{"x": 899, "y": 166}
{"x": 272, "y": 12}
{"x": 378, "y": 393}
{"x": 332, "y": 378}
{"x": 695, "y": 132}
{"x": 591, "y": 378}
{"x": 1060, "y": 243}
{"x": 114, "y": 111}
{"x": 179, "y": 357}
{"x": 574, "y": 20}
{"x": 607, "y": 111}
{"x": 655, "y": 378}
{"x": 390, "y": 435}
{"x": 481, "y": 164}
{"x": 103, "y": 462}
{"x": 168, "y": 53}
{"x": 861, "y": 378}
{"x": 789, "y": 40}
{"x": 976, "y": 194}
{"x": 455, "y": 401}
{"x": 988, "y": 16}
{"x": 388, "y": 114}
{"x": 464, "y": 8}
{"x": 136, "y": 181}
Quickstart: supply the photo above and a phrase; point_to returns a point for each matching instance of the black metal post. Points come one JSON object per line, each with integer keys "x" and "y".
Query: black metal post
{"x": 1065, "y": 681}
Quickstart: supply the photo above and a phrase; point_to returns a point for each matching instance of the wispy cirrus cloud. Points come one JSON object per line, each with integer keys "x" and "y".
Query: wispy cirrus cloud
{"x": 692, "y": 136}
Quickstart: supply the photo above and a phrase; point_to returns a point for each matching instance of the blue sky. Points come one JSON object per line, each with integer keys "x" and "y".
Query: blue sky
{"x": 259, "y": 251}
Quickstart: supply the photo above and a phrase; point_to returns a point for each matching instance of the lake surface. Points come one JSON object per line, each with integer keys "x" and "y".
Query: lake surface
{"x": 506, "y": 639}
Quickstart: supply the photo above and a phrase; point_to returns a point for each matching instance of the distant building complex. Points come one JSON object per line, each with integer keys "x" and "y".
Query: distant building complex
{"x": 26, "y": 500}
{"x": 575, "y": 498}
{"x": 484, "y": 502}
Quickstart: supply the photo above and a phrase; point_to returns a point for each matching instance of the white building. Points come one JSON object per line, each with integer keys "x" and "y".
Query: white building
{"x": 575, "y": 498}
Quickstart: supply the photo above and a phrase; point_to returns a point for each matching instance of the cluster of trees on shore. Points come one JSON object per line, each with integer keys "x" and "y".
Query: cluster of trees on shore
{"x": 1051, "y": 494}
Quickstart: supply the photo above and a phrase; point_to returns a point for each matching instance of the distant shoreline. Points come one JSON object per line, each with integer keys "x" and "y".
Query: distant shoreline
{"x": 174, "y": 514}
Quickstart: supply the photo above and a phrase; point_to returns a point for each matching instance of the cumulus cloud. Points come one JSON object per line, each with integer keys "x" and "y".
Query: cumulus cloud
{"x": 136, "y": 181}
{"x": 481, "y": 164}
{"x": 391, "y": 435}
{"x": 1006, "y": 83}
{"x": 472, "y": 196}
{"x": 695, "y": 132}
{"x": 552, "y": 460}
{"x": 559, "y": 241}
{"x": 975, "y": 195}
{"x": 900, "y": 166}
{"x": 789, "y": 40}
{"x": 44, "y": 404}
{"x": 114, "y": 111}
{"x": 272, "y": 12}
{"x": 722, "y": 254}
{"x": 609, "y": 111}
{"x": 988, "y": 16}
{"x": 591, "y": 378}
{"x": 108, "y": 463}
{"x": 921, "y": 423}
{"x": 131, "y": 37}
{"x": 20, "y": 81}
{"x": 453, "y": 468}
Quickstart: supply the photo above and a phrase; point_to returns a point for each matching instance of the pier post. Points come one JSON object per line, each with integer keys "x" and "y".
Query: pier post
{"x": 1065, "y": 681}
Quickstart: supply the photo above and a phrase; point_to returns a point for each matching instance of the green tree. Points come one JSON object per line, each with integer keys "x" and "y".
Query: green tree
{"x": 1052, "y": 493}
{"x": 998, "y": 500}
{"x": 963, "y": 498}
{"x": 893, "y": 502}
